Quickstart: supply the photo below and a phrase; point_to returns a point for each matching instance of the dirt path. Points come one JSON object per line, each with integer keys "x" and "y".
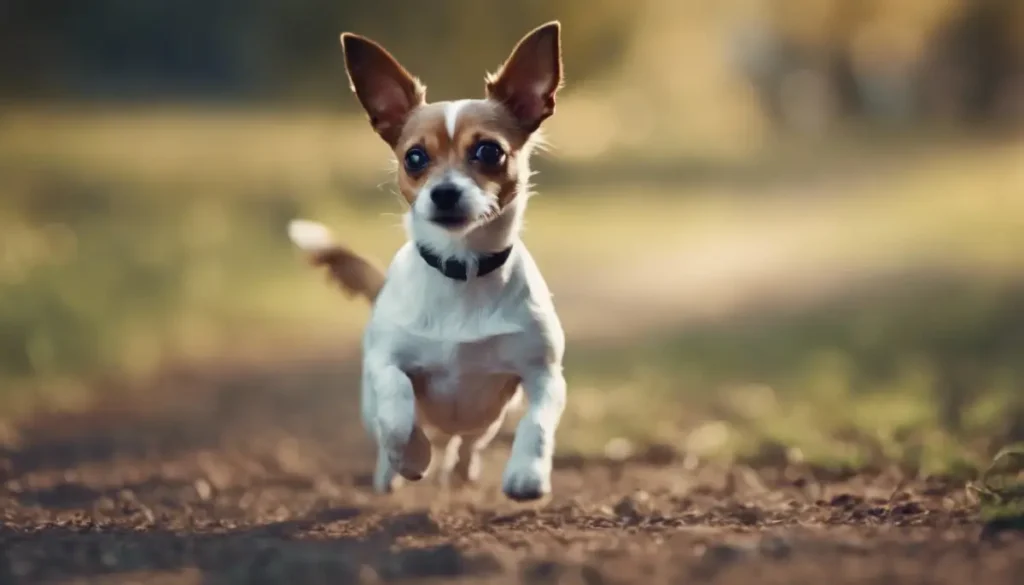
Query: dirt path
{"x": 262, "y": 477}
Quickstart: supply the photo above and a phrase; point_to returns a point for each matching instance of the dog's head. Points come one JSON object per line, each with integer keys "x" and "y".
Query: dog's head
{"x": 460, "y": 163}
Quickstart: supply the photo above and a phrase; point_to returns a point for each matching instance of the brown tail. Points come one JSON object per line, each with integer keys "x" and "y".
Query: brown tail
{"x": 354, "y": 274}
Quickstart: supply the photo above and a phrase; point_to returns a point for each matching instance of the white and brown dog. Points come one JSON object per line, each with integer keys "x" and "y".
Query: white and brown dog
{"x": 463, "y": 318}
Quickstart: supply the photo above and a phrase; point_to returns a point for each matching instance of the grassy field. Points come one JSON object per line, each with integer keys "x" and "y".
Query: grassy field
{"x": 861, "y": 306}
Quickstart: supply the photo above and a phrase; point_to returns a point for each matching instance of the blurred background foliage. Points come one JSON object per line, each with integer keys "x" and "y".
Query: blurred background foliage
{"x": 826, "y": 195}
{"x": 948, "y": 59}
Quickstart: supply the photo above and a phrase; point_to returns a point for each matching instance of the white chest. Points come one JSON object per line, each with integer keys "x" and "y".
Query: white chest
{"x": 462, "y": 386}
{"x": 463, "y": 345}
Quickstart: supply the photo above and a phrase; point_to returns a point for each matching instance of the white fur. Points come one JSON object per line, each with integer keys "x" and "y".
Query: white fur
{"x": 469, "y": 340}
{"x": 480, "y": 207}
{"x": 451, "y": 115}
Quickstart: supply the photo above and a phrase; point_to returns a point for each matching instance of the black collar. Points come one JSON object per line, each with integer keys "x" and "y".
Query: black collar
{"x": 457, "y": 270}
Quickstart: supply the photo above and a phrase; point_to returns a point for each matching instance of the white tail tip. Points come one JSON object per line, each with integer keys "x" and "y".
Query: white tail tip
{"x": 311, "y": 236}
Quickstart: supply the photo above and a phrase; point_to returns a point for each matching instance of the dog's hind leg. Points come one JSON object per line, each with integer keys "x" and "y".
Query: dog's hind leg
{"x": 446, "y": 455}
{"x": 469, "y": 466}
{"x": 461, "y": 457}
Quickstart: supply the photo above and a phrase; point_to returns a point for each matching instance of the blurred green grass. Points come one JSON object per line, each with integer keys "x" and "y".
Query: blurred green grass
{"x": 133, "y": 242}
{"x": 924, "y": 374}
{"x": 1000, "y": 491}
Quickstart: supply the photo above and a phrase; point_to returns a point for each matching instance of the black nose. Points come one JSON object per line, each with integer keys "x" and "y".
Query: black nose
{"x": 445, "y": 197}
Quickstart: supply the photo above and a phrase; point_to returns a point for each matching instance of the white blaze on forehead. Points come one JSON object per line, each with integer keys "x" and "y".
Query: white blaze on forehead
{"x": 451, "y": 115}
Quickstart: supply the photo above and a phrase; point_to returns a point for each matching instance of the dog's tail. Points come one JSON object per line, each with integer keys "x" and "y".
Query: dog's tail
{"x": 355, "y": 274}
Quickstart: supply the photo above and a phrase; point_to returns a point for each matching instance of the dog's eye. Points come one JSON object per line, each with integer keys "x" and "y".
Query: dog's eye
{"x": 416, "y": 159}
{"x": 487, "y": 153}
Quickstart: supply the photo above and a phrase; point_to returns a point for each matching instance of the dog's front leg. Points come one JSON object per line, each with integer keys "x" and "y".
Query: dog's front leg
{"x": 528, "y": 472}
{"x": 403, "y": 445}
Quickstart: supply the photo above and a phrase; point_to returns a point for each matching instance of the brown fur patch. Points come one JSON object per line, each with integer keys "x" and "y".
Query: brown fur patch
{"x": 477, "y": 120}
{"x": 385, "y": 89}
{"x": 528, "y": 81}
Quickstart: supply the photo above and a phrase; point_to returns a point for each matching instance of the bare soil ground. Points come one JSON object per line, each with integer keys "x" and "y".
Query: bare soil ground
{"x": 261, "y": 475}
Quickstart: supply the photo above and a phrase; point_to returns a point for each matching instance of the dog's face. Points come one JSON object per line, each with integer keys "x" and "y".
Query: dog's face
{"x": 460, "y": 163}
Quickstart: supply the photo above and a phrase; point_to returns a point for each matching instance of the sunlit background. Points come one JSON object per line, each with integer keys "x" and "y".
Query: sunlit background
{"x": 773, "y": 228}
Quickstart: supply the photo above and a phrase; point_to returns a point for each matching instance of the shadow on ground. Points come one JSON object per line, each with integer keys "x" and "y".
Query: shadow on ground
{"x": 268, "y": 553}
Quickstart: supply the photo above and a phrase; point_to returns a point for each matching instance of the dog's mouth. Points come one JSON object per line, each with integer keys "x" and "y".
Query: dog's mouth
{"x": 450, "y": 220}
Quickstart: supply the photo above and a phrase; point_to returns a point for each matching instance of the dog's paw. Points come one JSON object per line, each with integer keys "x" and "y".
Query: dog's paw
{"x": 410, "y": 473}
{"x": 414, "y": 460}
{"x": 528, "y": 481}
{"x": 463, "y": 474}
{"x": 405, "y": 468}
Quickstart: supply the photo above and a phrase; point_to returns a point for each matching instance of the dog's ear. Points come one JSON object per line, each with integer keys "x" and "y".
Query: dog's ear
{"x": 385, "y": 89}
{"x": 530, "y": 78}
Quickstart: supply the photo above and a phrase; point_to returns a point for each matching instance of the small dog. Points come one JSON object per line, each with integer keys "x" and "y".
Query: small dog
{"x": 462, "y": 322}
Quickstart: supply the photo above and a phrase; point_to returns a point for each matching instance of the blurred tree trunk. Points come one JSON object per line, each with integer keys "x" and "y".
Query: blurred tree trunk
{"x": 975, "y": 57}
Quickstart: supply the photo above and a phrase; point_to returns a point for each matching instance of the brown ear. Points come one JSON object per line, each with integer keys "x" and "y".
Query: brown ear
{"x": 385, "y": 89}
{"x": 531, "y": 76}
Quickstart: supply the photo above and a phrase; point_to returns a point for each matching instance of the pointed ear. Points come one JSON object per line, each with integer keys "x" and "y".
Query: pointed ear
{"x": 385, "y": 89}
{"x": 531, "y": 76}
